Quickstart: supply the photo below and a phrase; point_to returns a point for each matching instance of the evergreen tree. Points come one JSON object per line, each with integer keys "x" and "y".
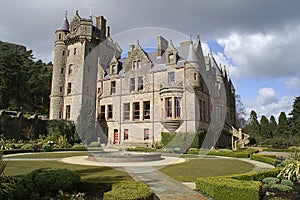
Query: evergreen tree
{"x": 283, "y": 128}
{"x": 265, "y": 131}
{"x": 295, "y": 121}
{"x": 253, "y": 128}
{"x": 273, "y": 125}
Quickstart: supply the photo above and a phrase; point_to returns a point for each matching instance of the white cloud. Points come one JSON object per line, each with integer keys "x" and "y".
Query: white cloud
{"x": 267, "y": 103}
{"x": 272, "y": 54}
{"x": 293, "y": 83}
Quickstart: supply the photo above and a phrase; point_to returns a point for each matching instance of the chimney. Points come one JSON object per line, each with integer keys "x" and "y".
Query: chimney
{"x": 131, "y": 48}
{"x": 107, "y": 31}
{"x": 162, "y": 45}
{"x": 101, "y": 22}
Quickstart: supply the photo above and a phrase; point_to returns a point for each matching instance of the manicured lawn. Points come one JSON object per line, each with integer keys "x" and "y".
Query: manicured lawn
{"x": 87, "y": 173}
{"x": 194, "y": 168}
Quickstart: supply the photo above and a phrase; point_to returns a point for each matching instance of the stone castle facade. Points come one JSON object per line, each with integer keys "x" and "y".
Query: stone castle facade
{"x": 134, "y": 99}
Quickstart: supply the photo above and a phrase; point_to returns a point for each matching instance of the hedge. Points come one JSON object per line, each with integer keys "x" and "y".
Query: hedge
{"x": 225, "y": 188}
{"x": 230, "y": 154}
{"x": 141, "y": 149}
{"x": 264, "y": 159}
{"x": 129, "y": 191}
{"x": 258, "y": 176}
{"x": 45, "y": 181}
{"x": 14, "y": 151}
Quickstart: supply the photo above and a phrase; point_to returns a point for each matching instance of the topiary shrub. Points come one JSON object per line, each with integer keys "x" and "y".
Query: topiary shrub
{"x": 46, "y": 181}
{"x": 269, "y": 180}
{"x": 129, "y": 191}
{"x": 94, "y": 144}
{"x": 193, "y": 151}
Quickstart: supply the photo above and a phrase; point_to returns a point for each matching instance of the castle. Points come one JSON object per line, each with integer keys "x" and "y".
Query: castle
{"x": 134, "y": 99}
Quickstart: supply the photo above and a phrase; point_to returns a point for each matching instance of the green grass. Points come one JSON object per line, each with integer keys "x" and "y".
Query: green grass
{"x": 87, "y": 173}
{"x": 50, "y": 155}
{"x": 196, "y": 168}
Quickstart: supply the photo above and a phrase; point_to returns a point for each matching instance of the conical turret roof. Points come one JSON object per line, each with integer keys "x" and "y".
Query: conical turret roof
{"x": 192, "y": 56}
{"x": 65, "y": 24}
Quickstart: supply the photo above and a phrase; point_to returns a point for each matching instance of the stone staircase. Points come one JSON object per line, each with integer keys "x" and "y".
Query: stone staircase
{"x": 242, "y": 138}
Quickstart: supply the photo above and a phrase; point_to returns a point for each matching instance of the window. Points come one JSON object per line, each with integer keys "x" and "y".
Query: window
{"x": 59, "y": 115}
{"x": 171, "y": 58}
{"x": 146, "y": 134}
{"x": 146, "y": 110}
{"x": 125, "y": 134}
{"x": 62, "y": 70}
{"x": 195, "y": 76}
{"x": 218, "y": 113}
{"x": 177, "y": 107}
{"x": 99, "y": 90}
{"x": 102, "y": 112}
{"x": 168, "y": 107}
{"x": 60, "y": 88}
{"x": 136, "y": 64}
{"x": 112, "y": 87}
{"x": 75, "y": 51}
{"x": 171, "y": 77}
{"x": 126, "y": 111}
{"x": 113, "y": 69}
{"x": 63, "y": 53}
{"x": 132, "y": 84}
{"x": 136, "y": 111}
{"x": 218, "y": 89}
{"x": 69, "y": 88}
{"x": 68, "y": 112}
{"x": 70, "y": 69}
{"x": 110, "y": 111}
{"x": 68, "y": 52}
{"x": 140, "y": 83}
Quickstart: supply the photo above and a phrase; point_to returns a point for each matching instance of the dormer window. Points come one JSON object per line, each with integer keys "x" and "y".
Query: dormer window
{"x": 136, "y": 64}
{"x": 113, "y": 69}
{"x": 171, "y": 58}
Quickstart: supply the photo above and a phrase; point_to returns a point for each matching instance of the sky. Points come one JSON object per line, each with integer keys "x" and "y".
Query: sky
{"x": 258, "y": 41}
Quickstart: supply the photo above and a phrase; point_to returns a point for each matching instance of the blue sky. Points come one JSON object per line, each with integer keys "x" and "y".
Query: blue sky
{"x": 258, "y": 41}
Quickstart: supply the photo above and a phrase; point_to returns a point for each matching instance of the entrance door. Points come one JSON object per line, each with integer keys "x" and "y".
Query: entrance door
{"x": 116, "y": 136}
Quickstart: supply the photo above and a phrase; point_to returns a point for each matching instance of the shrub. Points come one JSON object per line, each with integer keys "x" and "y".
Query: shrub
{"x": 270, "y": 179}
{"x": 286, "y": 162}
{"x": 129, "y": 191}
{"x": 166, "y": 137}
{"x": 283, "y": 188}
{"x": 94, "y": 144}
{"x": 225, "y": 188}
{"x": 45, "y": 181}
{"x": 141, "y": 149}
{"x": 30, "y": 147}
{"x": 286, "y": 182}
{"x": 79, "y": 147}
{"x": 264, "y": 159}
{"x": 258, "y": 176}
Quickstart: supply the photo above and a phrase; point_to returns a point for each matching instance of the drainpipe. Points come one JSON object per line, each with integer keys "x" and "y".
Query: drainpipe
{"x": 120, "y": 118}
{"x": 185, "y": 112}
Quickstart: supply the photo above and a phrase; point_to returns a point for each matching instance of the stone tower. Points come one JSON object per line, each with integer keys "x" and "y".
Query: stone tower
{"x": 80, "y": 48}
{"x": 60, "y": 56}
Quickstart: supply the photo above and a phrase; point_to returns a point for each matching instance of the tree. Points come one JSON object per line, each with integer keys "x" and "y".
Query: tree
{"x": 240, "y": 112}
{"x": 295, "y": 120}
{"x": 273, "y": 125}
{"x": 253, "y": 128}
{"x": 265, "y": 131}
{"x": 283, "y": 128}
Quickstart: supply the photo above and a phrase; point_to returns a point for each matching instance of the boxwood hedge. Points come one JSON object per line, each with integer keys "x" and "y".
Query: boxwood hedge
{"x": 225, "y": 188}
{"x": 129, "y": 191}
{"x": 264, "y": 159}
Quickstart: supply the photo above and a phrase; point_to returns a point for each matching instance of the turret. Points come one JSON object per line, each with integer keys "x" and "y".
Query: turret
{"x": 192, "y": 68}
{"x": 60, "y": 54}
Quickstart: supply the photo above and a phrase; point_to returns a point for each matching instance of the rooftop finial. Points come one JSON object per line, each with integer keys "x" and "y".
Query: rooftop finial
{"x": 66, "y": 14}
{"x": 91, "y": 11}
{"x": 190, "y": 37}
